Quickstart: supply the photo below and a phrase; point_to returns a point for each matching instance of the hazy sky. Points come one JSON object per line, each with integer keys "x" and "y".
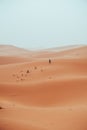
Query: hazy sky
{"x": 43, "y": 23}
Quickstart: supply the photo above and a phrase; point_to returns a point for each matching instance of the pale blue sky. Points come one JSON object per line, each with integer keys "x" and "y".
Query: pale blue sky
{"x": 43, "y": 23}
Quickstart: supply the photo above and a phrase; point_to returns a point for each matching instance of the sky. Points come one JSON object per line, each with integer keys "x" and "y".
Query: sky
{"x": 36, "y": 24}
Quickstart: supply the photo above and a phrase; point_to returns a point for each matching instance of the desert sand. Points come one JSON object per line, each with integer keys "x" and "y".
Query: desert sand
{"x": 36, "y": 95}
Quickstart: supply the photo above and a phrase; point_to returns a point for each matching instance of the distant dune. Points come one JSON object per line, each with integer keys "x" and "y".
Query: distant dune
{"x": 38, "y": 95}
{"x": 9, "y": 50}
{"x": 10, "y": 54}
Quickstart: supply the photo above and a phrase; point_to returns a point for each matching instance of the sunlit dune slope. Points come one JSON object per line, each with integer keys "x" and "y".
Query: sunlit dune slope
{"x": 38, "y": 95}
{"x": 11, "y": 60}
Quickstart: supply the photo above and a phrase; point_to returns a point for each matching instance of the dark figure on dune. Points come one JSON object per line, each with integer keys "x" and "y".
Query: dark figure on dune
{"x": 49, "y": 61}
{"x": 27, "y": 71}
{"x": 1, "y": 107}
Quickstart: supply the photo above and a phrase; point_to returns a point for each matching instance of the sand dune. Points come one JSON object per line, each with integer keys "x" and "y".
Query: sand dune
{"x": 11, "y": 60}
{"x": 36, "y": 95}
{"x": 9, "y": 50}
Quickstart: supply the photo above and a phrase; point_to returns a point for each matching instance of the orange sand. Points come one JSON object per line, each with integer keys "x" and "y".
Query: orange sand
{"x": 36, "y": 95}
